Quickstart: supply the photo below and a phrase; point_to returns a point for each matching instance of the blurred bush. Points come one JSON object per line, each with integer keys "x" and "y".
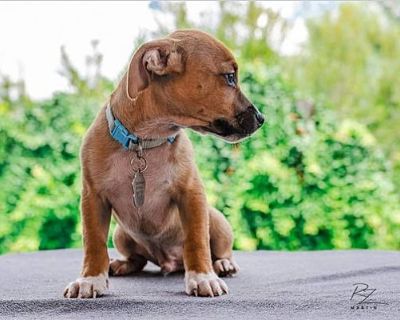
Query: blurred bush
{"x": 351, "y": 60}
{"x": 309, "y": 179}
{"x": 39, "y": 161}
{"x": 40, "y": 171}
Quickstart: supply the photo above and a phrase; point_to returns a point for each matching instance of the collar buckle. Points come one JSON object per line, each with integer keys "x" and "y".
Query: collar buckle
{"x": 122, "y": 135}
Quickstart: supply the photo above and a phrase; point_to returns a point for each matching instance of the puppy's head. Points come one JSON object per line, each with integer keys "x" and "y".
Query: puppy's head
{"x": 194, "y": 77}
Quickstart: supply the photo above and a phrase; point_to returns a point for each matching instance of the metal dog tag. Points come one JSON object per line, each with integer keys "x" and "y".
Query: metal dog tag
{"x": 138, "y": 185}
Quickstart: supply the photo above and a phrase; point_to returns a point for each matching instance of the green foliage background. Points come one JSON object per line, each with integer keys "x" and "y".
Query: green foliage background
{"x": 321, "y": 174}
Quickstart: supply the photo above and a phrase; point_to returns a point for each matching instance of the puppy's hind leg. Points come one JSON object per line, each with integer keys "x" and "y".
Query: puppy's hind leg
{"x": 221, "y": 241}
{"x": 133, "y": 260}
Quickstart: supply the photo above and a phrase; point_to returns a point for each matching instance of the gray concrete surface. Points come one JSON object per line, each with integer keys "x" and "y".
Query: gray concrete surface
{"x": 271, "y": 285}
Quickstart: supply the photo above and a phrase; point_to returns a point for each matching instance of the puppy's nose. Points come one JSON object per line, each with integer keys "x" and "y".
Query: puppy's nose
{"x": 260, "y": 118}
{"x": 258, "y": 115}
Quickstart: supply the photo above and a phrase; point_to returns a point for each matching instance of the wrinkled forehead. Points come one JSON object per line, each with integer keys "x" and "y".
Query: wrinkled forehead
{"x": 204, "y": 51}
{"x": 216, "y": 59}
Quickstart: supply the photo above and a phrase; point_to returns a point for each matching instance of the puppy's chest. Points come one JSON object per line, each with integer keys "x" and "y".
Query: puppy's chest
{"x": 158, "y": 185}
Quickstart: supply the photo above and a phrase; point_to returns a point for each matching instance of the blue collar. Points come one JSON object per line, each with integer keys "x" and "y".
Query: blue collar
{"x": 128, "y": 140}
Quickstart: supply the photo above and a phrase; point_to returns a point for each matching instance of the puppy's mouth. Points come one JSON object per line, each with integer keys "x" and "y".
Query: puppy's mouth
{"x": 240, "y": 127}
{"x": 224, "y": 129}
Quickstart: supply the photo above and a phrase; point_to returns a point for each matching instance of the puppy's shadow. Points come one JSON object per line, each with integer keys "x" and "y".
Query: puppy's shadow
{"x": 151, "y": 270}
{"x": 151, "y": 274}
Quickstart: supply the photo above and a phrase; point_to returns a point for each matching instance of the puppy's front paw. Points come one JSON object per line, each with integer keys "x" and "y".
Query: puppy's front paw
{"x": 87, "y": 287}
{"x": 204, "y": 284}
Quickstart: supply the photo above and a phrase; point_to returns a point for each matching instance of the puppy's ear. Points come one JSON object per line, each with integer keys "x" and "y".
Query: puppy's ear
{"x": 159, "y": 57}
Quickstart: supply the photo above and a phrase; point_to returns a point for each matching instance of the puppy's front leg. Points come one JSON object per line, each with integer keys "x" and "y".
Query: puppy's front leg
{"x": 96, "y": 214}
{"x": 200, "y": 278}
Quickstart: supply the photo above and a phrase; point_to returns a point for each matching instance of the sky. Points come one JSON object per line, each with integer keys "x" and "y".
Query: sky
{"x": 32, "y": 33}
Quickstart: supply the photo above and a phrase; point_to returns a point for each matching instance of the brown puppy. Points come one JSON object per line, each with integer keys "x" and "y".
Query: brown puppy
{"x": 187, "y": 80}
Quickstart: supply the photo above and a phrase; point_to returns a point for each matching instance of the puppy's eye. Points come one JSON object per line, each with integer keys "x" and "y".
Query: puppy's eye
{"x": 230, "y": 79}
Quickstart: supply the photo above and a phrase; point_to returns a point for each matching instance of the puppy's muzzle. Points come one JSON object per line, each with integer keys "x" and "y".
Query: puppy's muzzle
{"x": 244, "y": 124}
{"x": 250, "y": 120}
